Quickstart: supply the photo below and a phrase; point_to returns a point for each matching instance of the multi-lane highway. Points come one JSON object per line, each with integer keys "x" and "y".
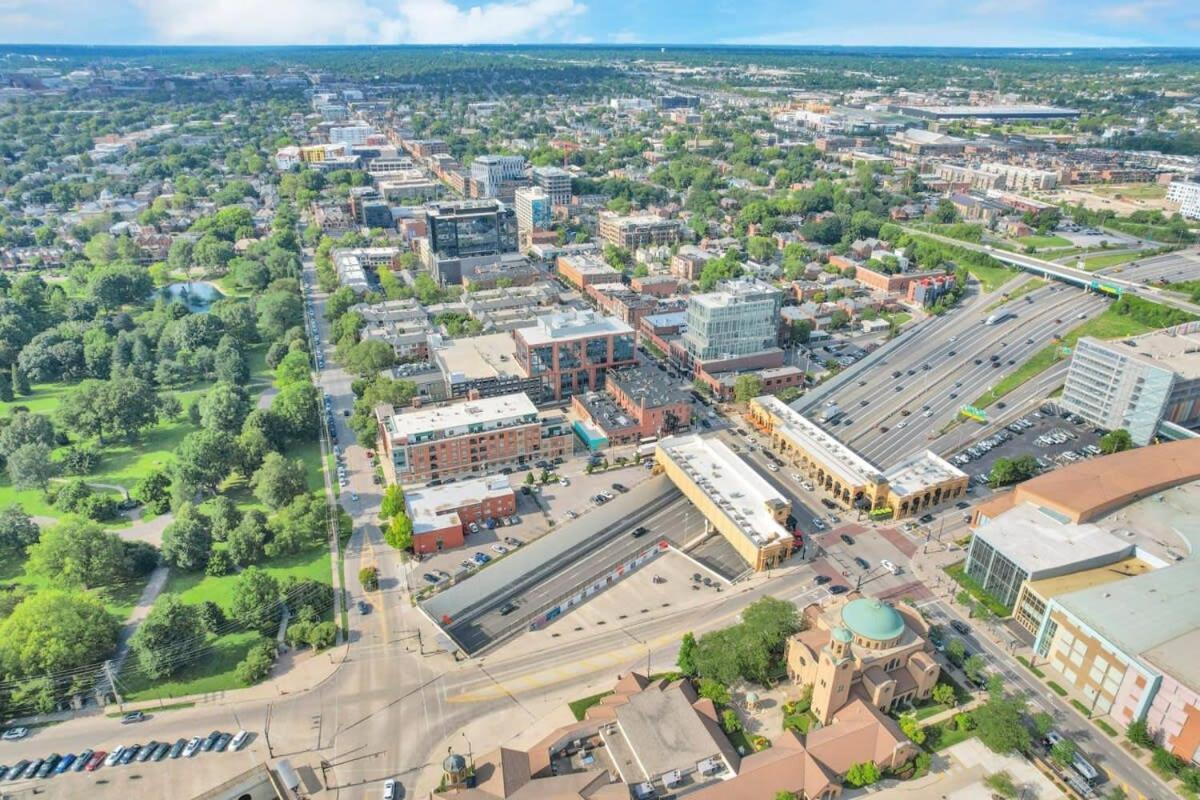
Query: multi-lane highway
{"x": 1182, "y": 265}
{"x": 948, "y": 365}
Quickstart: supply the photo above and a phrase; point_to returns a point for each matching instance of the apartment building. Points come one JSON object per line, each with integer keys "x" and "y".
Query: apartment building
{"x": 555, "y": 182}
{"x": 533, "y": 207}
{"x": 350, "y": 134}
{"x": 570, "y": 351}
{"x": 1137, "y": 383}
{"x": 1187, "y": 195}
{"x": 489, "y": 172}
{"x": 480, "y": 436}
{"x": 738, "y": 321}
{"x": 632, "y": 232}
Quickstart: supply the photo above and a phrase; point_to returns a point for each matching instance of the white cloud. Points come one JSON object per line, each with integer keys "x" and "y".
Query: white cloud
{"x": 1134, "y": 12}
{"x": 355, "y": 21}
{"x": 943, "y": 34}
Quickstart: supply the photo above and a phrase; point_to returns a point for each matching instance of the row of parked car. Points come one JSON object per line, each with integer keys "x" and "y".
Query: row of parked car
{"x": 92, "y": 760}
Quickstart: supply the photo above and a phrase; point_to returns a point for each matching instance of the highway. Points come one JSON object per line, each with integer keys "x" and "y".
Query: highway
{"x": 1182, "y": 265}
{"x": 1062, "y": 272}
{"x": 947, "y": 366}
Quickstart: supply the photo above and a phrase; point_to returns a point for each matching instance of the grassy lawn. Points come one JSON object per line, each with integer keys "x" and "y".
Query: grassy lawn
{"x": 1038, "y": 363}
{"x": 741, "y": 742}
{"x": 799, "y": 722}
{"x": 1136, "y": 191}
{"x": 939, "y": 737}
{"x": 118, "y": 600}
{"x": 898, "y": 319}
{"x": 212, "y": 673}
{"x": 196, "y": 587}
{"x": 991, "y": 278}
{"x": 1105, "y": 260}
{"x": 1044, "y": 241}
{"x": 44, "y": 400}
{"x": 579, "y": 707}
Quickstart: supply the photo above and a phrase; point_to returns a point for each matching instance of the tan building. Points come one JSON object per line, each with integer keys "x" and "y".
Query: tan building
{"x": 744, "y": 508}
{"x": 1034, "y": 596}
{"x": 918, "y": 483}
{"x": 863, "y": 644}
{"x": 638, "y": 231}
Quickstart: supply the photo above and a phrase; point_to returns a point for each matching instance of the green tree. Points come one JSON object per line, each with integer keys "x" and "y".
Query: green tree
{"x": 974, "y": 667}
{"x": 169, "y": 638}
{"x": 730, "y": 722}
{"x": 956, "y": 651}
{"x": 715, "y": 691}
{"x": 862, "y": 774}
{"x": 203, "y": 459}
{"x": 1007, "y": 471}
{"x": 1063, "y": 752}
{"x": 686, "y": 660}
{"x": 256, "y": 600}
{"x": 212, "y": 616}
{"x": 154, "y": 491}
{"x": 224, "y": 408}
{"x": 1116, "y": 441}
{"x": 78, "y": 554}
{"x": 294, "y": 368}
{"x": 369, "y": 578}
{"x": 187, "y": 540}
{"x": 278, "y": 480}
{"x": 399, "y": 532}
{"x": 223, "y": 517}
{"x": 769, "y": 621}
{"x": 17, "y": 528}
{"x": 912, "y": 729}
{"x": 299, "y": 525}
{"x": 29, "y": 466}
{"x": 55, "y": 631}
{"x": 944, "y": 694}
{"x": 393, "y": 501}
{"x": 1000, "y": 723}
{"x": 257, "y": 663}
{"x": 248, "y": 541}
{"x": 1138, "y": 732}
{"x": 746, "y": 387}
{"x": 25, "y": 428}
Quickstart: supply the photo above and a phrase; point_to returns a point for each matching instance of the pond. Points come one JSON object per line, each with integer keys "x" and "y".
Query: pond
{"x": 198, "y": 296}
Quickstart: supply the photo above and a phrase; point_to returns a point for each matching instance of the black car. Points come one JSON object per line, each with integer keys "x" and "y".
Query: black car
{"x": 639, "y": 531}
{"x": 3, "y": 771}
{"x": 821, "y": 580}
{"x": 161, "y": 751}
{"x": 48, "y": 765}
{"x": 960, "y": 627}
{"x": 177, "y": 748}
{"x": 211, "y": 741}
{"x": 825, "y": 501}
{"x": 129, "y": 754}
{"x": 618, "y": 487}
{"x": 846, "y": 539}
{"x": 862, "y": 562}
{"x": 838, "y": 589}
{"x": 962, "y": 504}
{"x": 507, "y": 608}
{"x": 925, "y": 519}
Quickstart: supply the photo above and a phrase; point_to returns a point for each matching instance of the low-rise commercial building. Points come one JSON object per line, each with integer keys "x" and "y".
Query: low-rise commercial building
{"x": 571, "y": 350}
{"x": 638, "y": 403}
{"x": 585, "y": 269}
{"x": 441, "y": 515}
{"x": 357, "y": 267}
{"x": 483, "y": 366}
{"x": 1137, "y": 383}
{"x": 743, "y": 507}
{"x": 472, "y": 436}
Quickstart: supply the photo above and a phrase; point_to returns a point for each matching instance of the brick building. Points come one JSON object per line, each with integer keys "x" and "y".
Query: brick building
{"x": 570, "y": 351}
{"x": 441, "y": 515}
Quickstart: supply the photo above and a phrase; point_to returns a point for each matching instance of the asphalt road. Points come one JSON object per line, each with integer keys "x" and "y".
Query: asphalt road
{"x": 1182, "y": 265}
{"x": 934, "y": 396}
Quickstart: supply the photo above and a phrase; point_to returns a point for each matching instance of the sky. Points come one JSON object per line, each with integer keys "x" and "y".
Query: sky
{"x": 973, "y": 23}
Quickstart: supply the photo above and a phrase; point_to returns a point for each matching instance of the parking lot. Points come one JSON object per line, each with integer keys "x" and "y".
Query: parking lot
{"x": 1052, "y": 438}
{"x": 538, "y": 511}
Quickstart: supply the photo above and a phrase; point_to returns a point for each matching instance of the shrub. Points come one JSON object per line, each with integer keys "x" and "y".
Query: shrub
{"x": 1139, "y": 733}
{"x": 257, "y": 663}
{"x": 369, "y": 578}
{"x": 219, "y": 563}
{"x": 730, "y": 722}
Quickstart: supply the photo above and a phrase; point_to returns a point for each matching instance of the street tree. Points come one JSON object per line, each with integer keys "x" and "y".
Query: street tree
{"x": 1063, "y": 752}
{"x": 393, "y": 501}
{"x": 399, "y": 532}
{"x": 1115, "y": 441}
{"x": 1000, "y": 723}
{"x": 747, "y": 387}
{"x": 686, "y": 660}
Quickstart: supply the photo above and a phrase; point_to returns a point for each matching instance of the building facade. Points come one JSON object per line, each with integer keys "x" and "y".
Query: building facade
{"x": 533, "y": 207}
{"x": 1187, "y": 195}
{"x": 638, "y": 231}
{"x": 741, "y": 319}
{"x": 442, "y": 515}
{"x": 489, "y": 172}
{"x": 555, "y": 182}
{"x": 570, "y": 351}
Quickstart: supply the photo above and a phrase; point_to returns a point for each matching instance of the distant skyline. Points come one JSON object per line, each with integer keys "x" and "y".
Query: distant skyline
{"x": 939, "y": 23}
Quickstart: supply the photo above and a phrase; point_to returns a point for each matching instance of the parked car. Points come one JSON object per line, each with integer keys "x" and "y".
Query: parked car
{"x": 481, "y": 558}
{"x": 147, "y": 751}
{"x": 15, "y": 772}
{"x": 889, "y": 566}
{"x": 192, "y": 746}
{"x": 390, "y": 790}
{"x": 114, "y": 757}
{"x": 129, "y": 754}
{"x": 81, "y": 761}
{"x": 429, "y": 577}
{"x": 210, "y": 741}
{"x": 499, "y": 549}
{"x": 48, "y": 765}
{"x": 861, "y": 562}
{"x": 239, "y": 740}
{"x": 13, "y": 734}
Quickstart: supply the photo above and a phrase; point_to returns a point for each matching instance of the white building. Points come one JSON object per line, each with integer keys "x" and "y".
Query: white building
{"x": 350, "y": 134}
{"x": 1187, "y": 195}
{"x": 490, "y": 171}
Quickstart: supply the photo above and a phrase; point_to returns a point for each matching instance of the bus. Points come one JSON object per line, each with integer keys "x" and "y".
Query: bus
{"x": 998, "y": 317}
{"x": 831, "y": 415}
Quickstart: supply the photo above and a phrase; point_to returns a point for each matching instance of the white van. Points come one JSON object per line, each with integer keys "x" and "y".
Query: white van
{"x": 889, "y": 566}
{"x": 239, "y": 739}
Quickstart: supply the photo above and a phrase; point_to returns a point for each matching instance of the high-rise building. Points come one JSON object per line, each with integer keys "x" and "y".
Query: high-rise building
{"x": 491, "y": 171}
{"x": 1137, "y": 383}
{"x": 349, "y": 134}
{"x": 738, "y": 320}
{"x": 463, "y": 230}
{"x": 1187, "y": 195}
{"x": 554, "y": 181}
{"x": 638, "y": 231}
{"x": 533, "y": 210}
{"x": 667, "y": 102}
{"x": 570, "y": 351}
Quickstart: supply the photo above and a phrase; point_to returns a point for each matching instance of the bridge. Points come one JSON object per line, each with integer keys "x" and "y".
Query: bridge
{"x": 1073, "y": 276}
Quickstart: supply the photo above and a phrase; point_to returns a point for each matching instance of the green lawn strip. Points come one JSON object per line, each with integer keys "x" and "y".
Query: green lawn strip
{"x": 991, "y": 278}
{"x": 1031, "y": 285}
{"x": 958, "y": 574}
{"x": 1044, "y": 241}
{"x": 1104, "y": 260}
{"x": 1109, "y": 730}
{"x": 1058, "y": 690}
{"x": 579, "y": 707}
{"x": 898, "y": 319}
{"x": 741, "y": 742}
{"x": 1025, "y": 661}
{"x": 1038, "y": 363}
{"x": 1081, "y": 708}
{"x": 165, "y": 707}
{"x": 45, "y": 398}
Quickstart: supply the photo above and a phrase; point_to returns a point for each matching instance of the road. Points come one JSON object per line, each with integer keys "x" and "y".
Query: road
{"x": 1099, "y": 748}
{"x": 1176, "y": 267}
{"x": 949, "y": 365}
{"x": 1062, "y": 272}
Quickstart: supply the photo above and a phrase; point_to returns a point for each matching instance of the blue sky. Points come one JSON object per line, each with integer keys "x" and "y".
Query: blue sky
{"x": 1017, "y": 23}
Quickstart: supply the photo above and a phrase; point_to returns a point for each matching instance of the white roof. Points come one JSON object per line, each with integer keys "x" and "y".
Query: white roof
{"x": 1044, "y": 544}
{"x": 454, "y": 419}
{"x": 849, "y": 467}
{"x": 436, "y": 507}
{"x": 919, "y": 472}
{"x": 726, "y": 478}
{"x": 575, "y": 324}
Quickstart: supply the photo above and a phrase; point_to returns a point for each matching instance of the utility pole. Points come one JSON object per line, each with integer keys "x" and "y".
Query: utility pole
{"x": 112, "y": 681}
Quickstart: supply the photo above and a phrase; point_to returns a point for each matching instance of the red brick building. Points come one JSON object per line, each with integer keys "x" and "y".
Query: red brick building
{"x": 442, "y": 515}
{"x": 571, "y": 351}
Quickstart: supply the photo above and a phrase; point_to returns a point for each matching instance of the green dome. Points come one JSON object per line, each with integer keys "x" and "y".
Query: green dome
{"x": 872, "y": 619}
{"x": 842, "y": 635}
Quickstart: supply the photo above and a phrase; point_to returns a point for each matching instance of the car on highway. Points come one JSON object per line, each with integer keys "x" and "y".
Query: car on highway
{"x": 13, "y": 734}
{"x": 507, "y": 608}
{"x": 846, "y": 540}
{"x": 639, "y": 531}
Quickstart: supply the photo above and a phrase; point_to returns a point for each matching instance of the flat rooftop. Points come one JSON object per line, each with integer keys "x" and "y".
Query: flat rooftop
{"x": 664, "y": 731}
{"x": 1176, "y": 349}
{"x": 649, "y": 385}
{"x": 730, "y": 482}
{"x": 1041, "y": 541}
{"x": 919, "y": 472}
{"x": 435, "y": 507}
{"x": 848, "y": 466}
{"x": 1026, "y": 110}
{"x": 575, "y": 324}
{"x": 456, "y": 419}
{"x": 474, "y": 358}
{"x": 733, "y": 292}
{"x": 1087, "y": 578}
{"x": 1146, "y": 614}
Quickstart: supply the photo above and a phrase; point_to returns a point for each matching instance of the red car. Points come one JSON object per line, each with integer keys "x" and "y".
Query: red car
{"x": 95, "y": 761}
